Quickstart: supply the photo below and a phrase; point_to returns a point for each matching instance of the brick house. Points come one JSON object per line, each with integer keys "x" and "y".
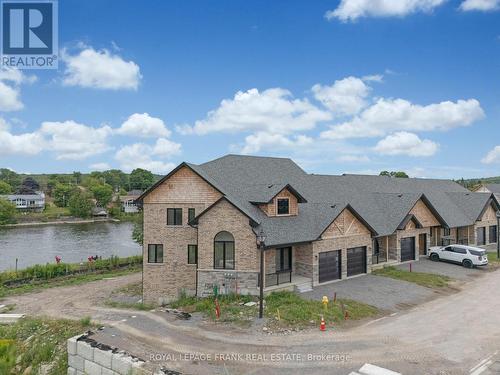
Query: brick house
{"x": 201, "y": 222}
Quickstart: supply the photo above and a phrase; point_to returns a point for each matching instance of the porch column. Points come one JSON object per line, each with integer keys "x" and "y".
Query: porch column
{"x": 386, "y": 248}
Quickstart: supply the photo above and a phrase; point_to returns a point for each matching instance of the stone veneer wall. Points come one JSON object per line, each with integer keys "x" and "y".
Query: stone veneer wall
{"x": 87, "y": 357}
{"x": 304, "y": 260}
{"x": 271, "y": 209}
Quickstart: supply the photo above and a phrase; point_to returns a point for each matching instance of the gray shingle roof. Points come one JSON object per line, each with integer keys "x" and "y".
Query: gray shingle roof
{"x": 382, "y": 202}
{"x": 494, "y": 188}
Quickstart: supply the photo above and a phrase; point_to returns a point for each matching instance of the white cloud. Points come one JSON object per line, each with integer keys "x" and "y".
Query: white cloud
{"x": 493, "y": 156}
{"x": 74, "y": 141}
{"x": 100, "y": 69}
{"x": 351, "y": 10}
{"x": 100, "y": 166}
{"x": 143, "y": 125}
{"x": 263, "y": 140}
{"x": 480, "y": 5}
{"x": 388, "y": 115}
{"x": 353, "y": 159}
{"x": 273, "y": 111}
{"x": 22, "y": 144}
{"x": 140, "y": 155}
{"x": 404, "y": 143}
{"x": 10, "y": 91}
{"x": 346, "y": 96}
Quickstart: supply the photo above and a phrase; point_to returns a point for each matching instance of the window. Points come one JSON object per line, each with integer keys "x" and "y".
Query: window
{"x": 493, "y": 234}
{"x": 192, "y": 254}
{"x": 283, "y": 259}
{"x": 459, "y": 250}
{"x": 446, "y": 231}
{"x": 155, "y": 253}
{"x": 224, "y": 251}
{"x": 174, "y": 216}
{"x": 283, "y": 206}
{"x": 477, "y": 253}
{"x": 191, "y": 214}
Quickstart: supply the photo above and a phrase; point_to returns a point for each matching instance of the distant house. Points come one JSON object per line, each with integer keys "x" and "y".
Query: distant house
{"x": 128, "y": 201}
{"x": 27, "y": 202}
{"x": 99, "y": 212}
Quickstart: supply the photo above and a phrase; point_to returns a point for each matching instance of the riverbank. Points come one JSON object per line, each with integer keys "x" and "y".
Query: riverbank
{"x": 52, "y": 275}
{"x": 59, "y": 222}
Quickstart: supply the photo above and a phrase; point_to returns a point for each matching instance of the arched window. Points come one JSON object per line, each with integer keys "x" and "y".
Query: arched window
{"x": 224, "y": 251}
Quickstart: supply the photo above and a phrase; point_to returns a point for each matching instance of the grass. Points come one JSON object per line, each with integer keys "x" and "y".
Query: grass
{"x": 32, "y": 342}
{"x": 429, "y": 280}
{"x": 294, "y": 311}
{"x": 492, "y": 258}
{"x": 64, "y": 281}
{"x": 50, "y": 213}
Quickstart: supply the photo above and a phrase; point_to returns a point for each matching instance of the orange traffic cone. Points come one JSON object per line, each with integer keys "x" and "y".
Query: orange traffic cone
{"x": 322, "y": 326}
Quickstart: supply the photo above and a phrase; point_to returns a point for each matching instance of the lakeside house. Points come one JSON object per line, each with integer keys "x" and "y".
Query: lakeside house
{"x": 201, "y": 224}
{"x": 27, "y": 202}
{"x": 128, "y": 202}
{"x": 490, "y": 188}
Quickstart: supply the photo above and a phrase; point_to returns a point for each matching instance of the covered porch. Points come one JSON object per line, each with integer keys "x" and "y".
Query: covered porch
{"x": 288, "y": 268}
{"x": 385, "y": 250}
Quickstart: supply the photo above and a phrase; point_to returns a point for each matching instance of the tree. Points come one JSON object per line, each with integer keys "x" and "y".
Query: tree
{"x": 138, "y": 231}
{"x": 102, "y": 194}
{"x": 141, "y": 179}
{"x": 116, "y": 178}
{"x": 78, "y": 177}
{"x": 7, "y": 212}
{"x": 397, "y": 174}
{"x": 80, "y": 204}
{"x": 5, "y": 188}
{"x": 62, "y": 194}
{"x": 10, "y": 177}
{"x": 29, "y": 186}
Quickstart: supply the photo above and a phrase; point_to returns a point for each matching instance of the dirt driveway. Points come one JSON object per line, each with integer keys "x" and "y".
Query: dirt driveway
{"x": 449, "y": 335}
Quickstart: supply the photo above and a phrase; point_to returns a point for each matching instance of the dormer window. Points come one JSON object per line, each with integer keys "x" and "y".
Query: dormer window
{"x": 283, "y": 206}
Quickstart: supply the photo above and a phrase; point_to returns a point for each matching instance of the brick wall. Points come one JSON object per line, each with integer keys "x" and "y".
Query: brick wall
{"x": 225, "y": 217}
{"x": 165, "y": 281}
{"x": 488, "y": 219}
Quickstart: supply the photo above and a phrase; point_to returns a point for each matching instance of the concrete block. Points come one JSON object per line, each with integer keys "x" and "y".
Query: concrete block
{"x": 106, "y": 371}
{"x": 85, "y": 350}
{"x": 92, "y": 368}
{"x": 121, "y": 364}
{"x": 72, "y": 345}
{"x": 71, "y": 371}
{"x": 76, "y": 362}
{"x": 10, "y": 318}
{"x": 103, "y": 357}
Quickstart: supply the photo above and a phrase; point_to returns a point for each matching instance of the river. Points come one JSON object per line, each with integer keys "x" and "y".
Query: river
{"x": 72, "y": 242}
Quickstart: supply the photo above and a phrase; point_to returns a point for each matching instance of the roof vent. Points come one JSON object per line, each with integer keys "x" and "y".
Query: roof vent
{"x": 333, "y": 206}
{"x": 270, "y": 186}
{"x": 400, "y": 195}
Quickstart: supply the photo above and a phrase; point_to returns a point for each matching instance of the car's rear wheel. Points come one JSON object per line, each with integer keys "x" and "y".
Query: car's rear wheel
{"x": 434, "y": 257}
{"x": 467, "y": 263}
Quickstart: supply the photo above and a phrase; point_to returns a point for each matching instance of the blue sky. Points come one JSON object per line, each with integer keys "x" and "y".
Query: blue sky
{"x": 353, "y": 86}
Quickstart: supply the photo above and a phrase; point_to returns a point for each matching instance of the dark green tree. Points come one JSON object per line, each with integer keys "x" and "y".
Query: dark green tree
{"x": 5, "y": 188}
{"x": 62, "y": 194}
{"x": 10, "y": 177}
{"x": 80, "y": 204}
{"x": 141, "y": 179}
{"x": 7, "y": 212}
{"x": 102, "y": 194}
{"x": 138, "y": 231}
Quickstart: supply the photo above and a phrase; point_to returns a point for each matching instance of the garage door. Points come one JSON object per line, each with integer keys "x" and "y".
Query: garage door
{"x": 407, "y": 249}
{"x": 329, "y": 266}
{"x": 356, "y": 261}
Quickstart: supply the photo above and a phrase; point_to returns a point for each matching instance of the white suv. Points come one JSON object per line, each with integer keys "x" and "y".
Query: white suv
{"x": 467, "y": 256}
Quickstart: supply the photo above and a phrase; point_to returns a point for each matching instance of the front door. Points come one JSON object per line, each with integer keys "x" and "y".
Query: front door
{"x": 283, "y": 259}
{"x": 329, "y": 266}
{"x": 481, "y": 236}
{"x": 422, "y": 244}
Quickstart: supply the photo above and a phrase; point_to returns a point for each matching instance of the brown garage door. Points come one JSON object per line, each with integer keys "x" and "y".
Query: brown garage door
{"x": 407, "y": 249}
{"x": 356, "y": 261}
{"x": 329, "y": 266}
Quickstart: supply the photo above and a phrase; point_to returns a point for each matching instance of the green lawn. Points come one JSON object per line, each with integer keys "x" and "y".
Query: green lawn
{"x": 292, "y": 310}
{"x": 33, "y": 342}
{"x": 429, "y": 280}
{"x": 492, "y": 258}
